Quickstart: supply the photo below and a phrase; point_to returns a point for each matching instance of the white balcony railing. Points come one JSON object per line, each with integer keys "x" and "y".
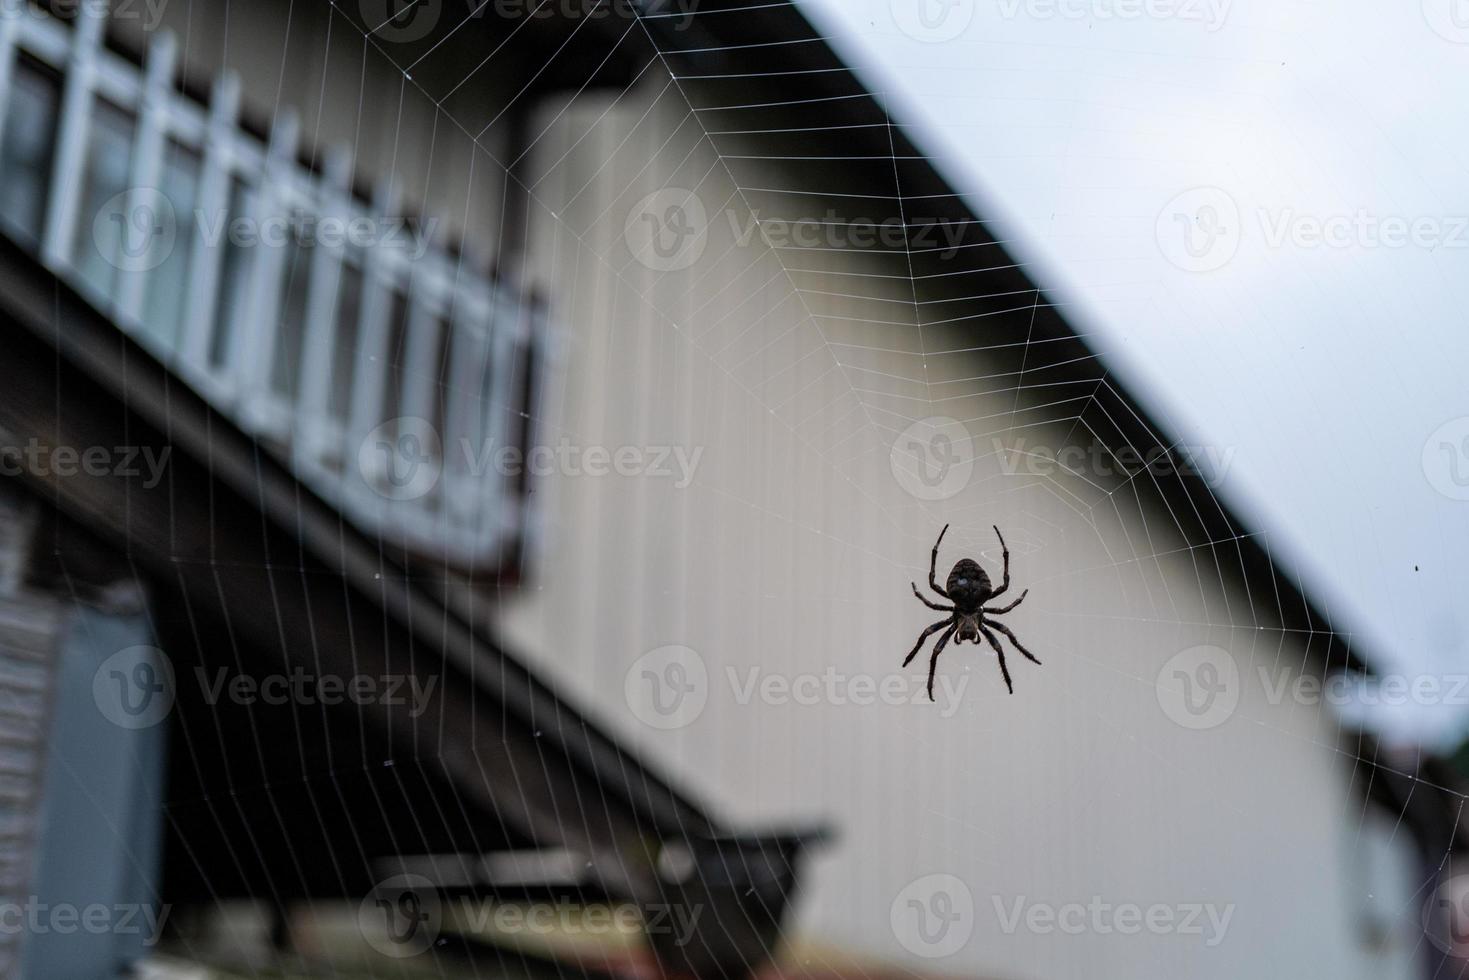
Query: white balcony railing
{"x": 383, "y": 368}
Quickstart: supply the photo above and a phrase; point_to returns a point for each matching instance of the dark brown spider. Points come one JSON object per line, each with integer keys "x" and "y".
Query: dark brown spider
{"x": 968, "y": 589}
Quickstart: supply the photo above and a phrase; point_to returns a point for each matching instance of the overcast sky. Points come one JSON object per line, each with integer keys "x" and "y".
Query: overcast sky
{"x": 1262, "y": 206}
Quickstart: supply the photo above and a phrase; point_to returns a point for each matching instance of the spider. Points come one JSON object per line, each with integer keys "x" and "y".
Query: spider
{"x": 968, "y": 589}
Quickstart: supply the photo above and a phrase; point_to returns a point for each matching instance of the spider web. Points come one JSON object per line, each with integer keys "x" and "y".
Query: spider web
{"x": 850, "y": 398}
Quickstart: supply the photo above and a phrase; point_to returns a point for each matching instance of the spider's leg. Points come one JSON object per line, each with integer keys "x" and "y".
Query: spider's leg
{"x": 926, "y": 634}
{"x": 1005, "y": 552}
{"x": 1000, "y": 652}
{"x": 996, "y": 612}
{"x": 933, "y": 563}
{"x": 929, "y": 602}
{"x": 1011, "y": 634}
{"x": 933, "y": 662}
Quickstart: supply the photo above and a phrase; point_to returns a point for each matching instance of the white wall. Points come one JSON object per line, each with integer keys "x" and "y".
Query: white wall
{"x": 792, "y": 553}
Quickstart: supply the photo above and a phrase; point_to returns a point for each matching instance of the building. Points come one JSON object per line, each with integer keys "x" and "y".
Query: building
{"x": 601, "y": 378}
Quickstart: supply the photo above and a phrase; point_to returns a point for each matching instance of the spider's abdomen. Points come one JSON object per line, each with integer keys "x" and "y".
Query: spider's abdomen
{"x": 968, "y": 585}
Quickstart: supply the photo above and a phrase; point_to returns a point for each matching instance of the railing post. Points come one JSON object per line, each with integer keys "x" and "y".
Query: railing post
{"x": 212, "y": 216}
{"x": 147, "y": 165}
{"x": 71, "y": 139}
{"x": 255, "y": 340}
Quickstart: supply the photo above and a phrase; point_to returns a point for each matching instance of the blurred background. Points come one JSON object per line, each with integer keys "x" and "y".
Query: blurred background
{"x": 466, "y": 465}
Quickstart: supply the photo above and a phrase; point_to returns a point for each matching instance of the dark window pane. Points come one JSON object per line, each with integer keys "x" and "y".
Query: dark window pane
{"x": 397, "y": 352}
{"x": 102, "y": 226}
{"x": 234, "y": 280}
{"x": 168, "y": 284}
{"x": 285, "y": 375}
{"x": 28, "y": 148}
{"x": 345, "y": 347}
